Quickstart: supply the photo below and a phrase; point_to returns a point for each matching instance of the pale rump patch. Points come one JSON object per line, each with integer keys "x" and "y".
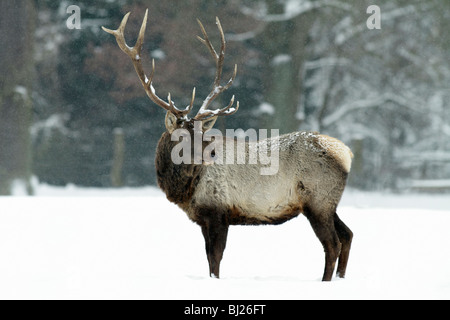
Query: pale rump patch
{"x": 338, "y": 150}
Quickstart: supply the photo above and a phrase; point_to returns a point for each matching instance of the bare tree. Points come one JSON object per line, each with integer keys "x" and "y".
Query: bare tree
{"x": 16, "y": 68}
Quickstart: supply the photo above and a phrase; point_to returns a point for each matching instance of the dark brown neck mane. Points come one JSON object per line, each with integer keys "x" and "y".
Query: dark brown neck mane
{"x": 177, "y": 181}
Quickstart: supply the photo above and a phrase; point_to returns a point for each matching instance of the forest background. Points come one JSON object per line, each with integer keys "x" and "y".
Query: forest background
{"x": 72, "y": 110}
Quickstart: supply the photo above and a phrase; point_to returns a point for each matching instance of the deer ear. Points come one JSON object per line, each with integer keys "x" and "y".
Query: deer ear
{"x": 208, "y": 124}
{"x": 171, "y": 122}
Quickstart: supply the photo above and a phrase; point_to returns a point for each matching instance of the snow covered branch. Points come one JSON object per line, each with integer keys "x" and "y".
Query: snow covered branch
{"x": 246, "y": 35}
{"x": 293, "y": 9}
{"x": 326, "y": 62}
{"x": 367, "y": 104}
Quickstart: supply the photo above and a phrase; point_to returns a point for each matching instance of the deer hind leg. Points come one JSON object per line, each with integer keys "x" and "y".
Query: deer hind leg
{"x": 215, "y": 234}
{"x": 323, "y": 226}
{"x": 345, "y": 236}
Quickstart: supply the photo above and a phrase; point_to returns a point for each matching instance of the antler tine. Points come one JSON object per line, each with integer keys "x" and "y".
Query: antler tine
{"x": 228, "y": 111}
{"x": 206, "y": 41}
{"x": 218, "y": 58}
{"x": 119, "y": 33}
{"x": 135, "y": 55}
{"x": 204, "y": 113}
{"x": 192, "y": 100}
{"x": 222, "y": 52}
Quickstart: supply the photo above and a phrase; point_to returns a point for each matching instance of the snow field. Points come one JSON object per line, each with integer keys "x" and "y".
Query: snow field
{"x": 121, "y": 244}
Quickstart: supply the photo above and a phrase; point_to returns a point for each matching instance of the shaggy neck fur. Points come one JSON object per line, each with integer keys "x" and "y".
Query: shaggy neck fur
{"x": 177, "y": 181}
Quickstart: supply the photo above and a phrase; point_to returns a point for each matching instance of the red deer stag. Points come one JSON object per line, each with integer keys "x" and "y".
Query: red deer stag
{"x": 312, "y": 173}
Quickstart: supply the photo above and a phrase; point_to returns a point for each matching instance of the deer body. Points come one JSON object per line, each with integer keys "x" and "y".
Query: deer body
{"x": 308, "y": 173}
{"x": 311, "y": 176}
{"x": 311, "y": 179}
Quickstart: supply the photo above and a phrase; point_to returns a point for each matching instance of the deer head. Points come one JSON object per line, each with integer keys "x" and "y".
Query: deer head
{"x": 178, "y": 118}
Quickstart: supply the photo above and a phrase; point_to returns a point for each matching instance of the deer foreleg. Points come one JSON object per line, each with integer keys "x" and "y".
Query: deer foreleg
{"x": 215, "y": 233}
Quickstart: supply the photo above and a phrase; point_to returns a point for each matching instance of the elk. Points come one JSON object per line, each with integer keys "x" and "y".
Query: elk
{"x": 312, "y": 175}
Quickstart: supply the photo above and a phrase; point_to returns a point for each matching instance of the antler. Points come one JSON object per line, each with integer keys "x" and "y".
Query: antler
{"x": 135, "y": 55}
{"x": 204, "y": 113}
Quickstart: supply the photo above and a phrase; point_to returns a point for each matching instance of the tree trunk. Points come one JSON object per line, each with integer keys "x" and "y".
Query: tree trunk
{"x": 284, "y": 44}
{"x": 17, "y": 19}
{"x": 118, "y": 158}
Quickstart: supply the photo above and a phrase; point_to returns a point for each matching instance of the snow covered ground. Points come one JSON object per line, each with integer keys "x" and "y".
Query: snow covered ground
{"x": 72, "y": 243}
